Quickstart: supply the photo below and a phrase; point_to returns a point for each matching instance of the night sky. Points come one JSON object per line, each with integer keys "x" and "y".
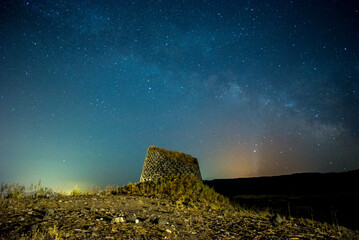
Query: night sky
{"x": 250, "y": 88}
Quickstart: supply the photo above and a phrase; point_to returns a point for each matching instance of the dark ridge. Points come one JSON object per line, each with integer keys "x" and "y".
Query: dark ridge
{"x": 326, "y": 197}
{"x": 294, "y": 184}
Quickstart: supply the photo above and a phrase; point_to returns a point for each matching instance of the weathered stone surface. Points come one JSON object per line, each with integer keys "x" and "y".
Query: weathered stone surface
{"x": 161, "y": 163}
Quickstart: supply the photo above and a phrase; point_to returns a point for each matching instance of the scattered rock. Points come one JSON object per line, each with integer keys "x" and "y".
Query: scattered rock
{"x": 161, "y": 222}
{"x": 158, "y": 222}
{"x": 132, "y": 219}
{"x": 118, "y": 220}
{"x": 50, "y": 212}
{"x": 176, "y": 213}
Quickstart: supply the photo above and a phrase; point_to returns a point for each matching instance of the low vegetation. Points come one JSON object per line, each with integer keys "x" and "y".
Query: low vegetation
{"x": 176, "y": 208}
{"x": 17, "y": 191}
{"x": 184, "y": 191}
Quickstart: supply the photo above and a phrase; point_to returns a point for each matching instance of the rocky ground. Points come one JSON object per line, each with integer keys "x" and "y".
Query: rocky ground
{"x": 130, "y": 217}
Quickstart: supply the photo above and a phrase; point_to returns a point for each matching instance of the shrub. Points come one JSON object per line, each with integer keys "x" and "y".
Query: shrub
{"x": 75, "y": 192}
{"x": 14, "y": 190}
{"x": 44, "y": 192}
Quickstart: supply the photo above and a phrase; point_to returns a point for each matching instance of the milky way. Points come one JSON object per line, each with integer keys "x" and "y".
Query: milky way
{"x": 250, "y": 88}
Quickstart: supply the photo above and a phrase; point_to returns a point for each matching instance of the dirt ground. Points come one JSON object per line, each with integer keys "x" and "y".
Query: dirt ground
{"x": 130, "y": 217}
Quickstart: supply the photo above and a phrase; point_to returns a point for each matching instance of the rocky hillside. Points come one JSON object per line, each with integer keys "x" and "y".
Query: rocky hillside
{"x": 108, "y": 216}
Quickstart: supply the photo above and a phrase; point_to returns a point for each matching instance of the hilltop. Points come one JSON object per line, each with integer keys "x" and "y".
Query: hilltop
{"x": 129, "y": 217}
{"x": 151, "y": 211}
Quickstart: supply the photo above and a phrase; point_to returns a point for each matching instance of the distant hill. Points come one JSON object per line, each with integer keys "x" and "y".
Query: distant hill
{"x": 294, "y": 184}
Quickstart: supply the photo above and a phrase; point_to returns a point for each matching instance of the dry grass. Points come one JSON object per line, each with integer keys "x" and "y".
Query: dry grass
{"x": 50, "y": 233}
{"x": 185, "y": 194}
{"x": 186, "y": 191}
{"x": 176, "y": 155}
{"x": 17, "y": 191}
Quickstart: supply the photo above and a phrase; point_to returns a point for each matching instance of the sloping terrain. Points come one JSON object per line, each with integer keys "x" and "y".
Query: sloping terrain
{"x": 111, "y": 216}
{"x": 329, "y": 197}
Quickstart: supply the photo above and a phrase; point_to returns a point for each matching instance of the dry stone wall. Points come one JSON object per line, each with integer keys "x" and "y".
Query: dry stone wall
{"x": 161, "y": 163}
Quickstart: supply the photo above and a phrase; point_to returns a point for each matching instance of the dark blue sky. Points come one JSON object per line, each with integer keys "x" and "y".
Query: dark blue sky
{"x": 250, "y": 88}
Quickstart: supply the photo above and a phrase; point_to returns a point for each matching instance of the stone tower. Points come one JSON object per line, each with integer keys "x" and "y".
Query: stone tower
{"x": 161, "y": 163}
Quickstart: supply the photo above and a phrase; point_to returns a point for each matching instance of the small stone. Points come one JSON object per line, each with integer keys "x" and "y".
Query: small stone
{"x": 162, "y": 222}
{"x": 132, "y": 219}
{"x": 118, "y": 220}
{"x": 169, "y": 231}
{"x": 50, "y": 212}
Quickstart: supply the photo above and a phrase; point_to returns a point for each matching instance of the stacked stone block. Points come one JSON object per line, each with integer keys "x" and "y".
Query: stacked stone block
{"x": 161, "y": 164}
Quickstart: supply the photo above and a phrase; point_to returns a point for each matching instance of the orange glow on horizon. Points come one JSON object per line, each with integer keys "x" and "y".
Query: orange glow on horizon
{"x": 238, "y": 163}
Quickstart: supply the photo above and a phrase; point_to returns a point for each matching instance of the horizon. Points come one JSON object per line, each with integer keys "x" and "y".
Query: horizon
{"x": 249, "y": 88}
{"x": 289, "y": 174}
{"x": 83, "y": 189}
